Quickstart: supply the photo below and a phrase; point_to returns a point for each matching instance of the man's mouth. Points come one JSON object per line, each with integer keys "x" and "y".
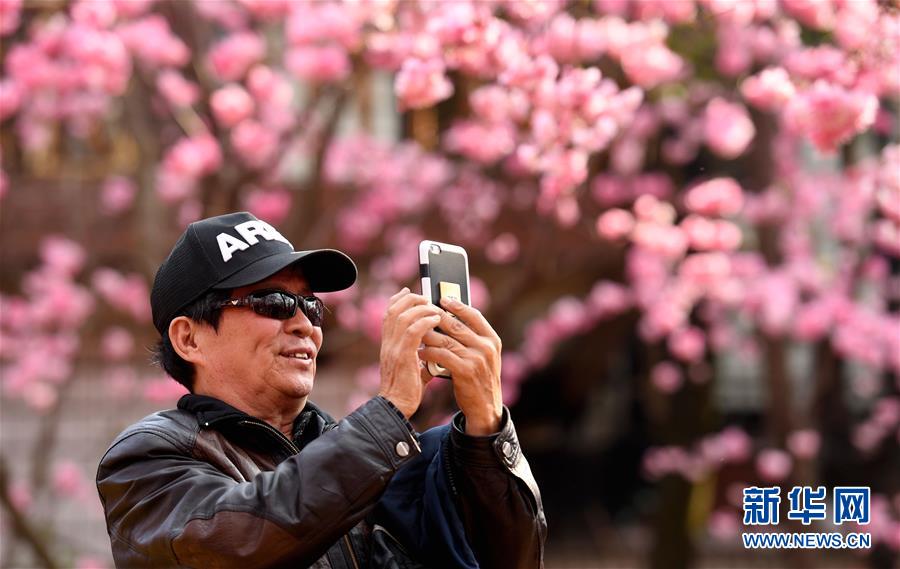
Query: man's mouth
{"x": 300, "y": 355}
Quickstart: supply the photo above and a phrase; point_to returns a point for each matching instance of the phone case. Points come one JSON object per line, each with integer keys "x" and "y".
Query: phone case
{"x": 444, "y": 269}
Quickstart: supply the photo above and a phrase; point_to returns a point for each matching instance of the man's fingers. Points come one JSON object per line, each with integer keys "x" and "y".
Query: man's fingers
{"x": 438, "y": 340}
{"x": 412, "y": 335}
{"x": 472, "y": 318}
{"x": 399, "y": 293}
{"x": 402, "y": 301}
{"x": 445, "y": 358}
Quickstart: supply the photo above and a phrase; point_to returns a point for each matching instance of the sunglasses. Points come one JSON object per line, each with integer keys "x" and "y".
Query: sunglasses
{"x": 281, "y": 305}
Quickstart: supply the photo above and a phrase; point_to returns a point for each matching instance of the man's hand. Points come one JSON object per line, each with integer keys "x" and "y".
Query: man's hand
{"x": 408, "y": 318}
{"x": 470, "y": 349}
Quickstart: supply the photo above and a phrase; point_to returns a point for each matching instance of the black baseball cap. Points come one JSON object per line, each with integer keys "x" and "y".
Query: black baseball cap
{"x": 235, "y": 250}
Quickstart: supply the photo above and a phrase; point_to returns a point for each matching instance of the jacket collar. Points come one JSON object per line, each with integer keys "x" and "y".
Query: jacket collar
{"x": 215, "y": 413}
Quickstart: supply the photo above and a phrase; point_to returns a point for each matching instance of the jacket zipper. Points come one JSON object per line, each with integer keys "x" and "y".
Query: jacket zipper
{"x": 350, "y": 549}
{"x": 291, "y": 447}
{"x": 294, "y": 450}
{"x": 448, "y": 468}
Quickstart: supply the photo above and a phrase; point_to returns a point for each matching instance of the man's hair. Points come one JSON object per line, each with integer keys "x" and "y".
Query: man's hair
{"x": 205, "y": 309}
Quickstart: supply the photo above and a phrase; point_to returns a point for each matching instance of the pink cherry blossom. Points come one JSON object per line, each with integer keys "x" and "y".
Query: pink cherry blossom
{"x": 687, "y": 344}
{"x": 711, "y": 235}
{"x": 189, "y": 211}
{"x": 654, "y": 184}
{"x": 163, "y": 390}
{"x": 256, "y": 145}
{"x": 125, "y": 292}
{"x": 479, "y": 294}
{"x": 502, "y": 249}
{"x": 421, "y": 83}
{"x": 231, "y": 104}
{"x": 323, "y": 23}
{"x": 230, "y": 58}
{"x": 88, "y": 562}
{"x": 319, "y": 64}
{"x": 856, "y": 23}
{"x": 20, "y": 496}
{"x": 151, "y": 40}
{"x": 610, "y": 190}
{"x": 132, "y": 8}
{"x": 117, "y": 195}
{"x": 95, "y": 14}
{"x": 40, "y": 396}
{"x": 62, "y": 256}
{"x": 116, "y": 344}
{"x": 830, "y": 115}
{"x": 615, "y": 224}
{"x": 10, "y": 98}
{"x": 724, "y": 525}
{"x": 716, "y": 197}
{"x": 651, "y": 65}
{"x": 666, "y": 377}
{"x": 480, "y": 142}
{"x": 9, "y": 16}
{"x": 735, "y": 53}
{"x": 267, "y": 10}
{"x": 178, "y": 91}
{"x": 735, "y": 444}
{"x": 193, "y": 157}
{"x": 773, "y": 465}
{"x": 813, "y": 13}
{"x": 608, "y": 299}
{"x": 649, "y": 208}
{"x": 68, "y": 479}
{"x": 372, "y": 315}
{"x": 728, "y": 128}
{"x": 804, "y": 443}
{"x": 272, "y": 205}
{"x": 228, "y": 15}
{"x": 770, "y": 90}
{"x": 886, "y": 235}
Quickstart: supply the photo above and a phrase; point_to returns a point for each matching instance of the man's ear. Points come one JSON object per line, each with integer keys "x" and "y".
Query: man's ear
{"x": 183, "y": 335}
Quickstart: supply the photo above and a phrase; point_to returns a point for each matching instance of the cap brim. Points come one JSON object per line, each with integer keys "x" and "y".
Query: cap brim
{"x": 326, "y": 270}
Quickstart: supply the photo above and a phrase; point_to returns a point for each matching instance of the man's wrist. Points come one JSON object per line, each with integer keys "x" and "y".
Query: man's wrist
{"x": 405, "y": 408}
{"x": 482, "y": 424}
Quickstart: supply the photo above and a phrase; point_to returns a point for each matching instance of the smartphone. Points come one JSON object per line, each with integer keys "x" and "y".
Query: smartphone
{"x": 444, "y": 269}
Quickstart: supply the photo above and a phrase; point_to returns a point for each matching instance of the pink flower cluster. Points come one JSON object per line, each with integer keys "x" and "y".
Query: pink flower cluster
{"x": 231, "y": 57}
{"x": 152, "y": 42}
{"x": 728, "y": 129}
{"x": 184, "y": 164}
{"x": 127, "y": 293}
{"x": 321, "y": 37}
{"x": 729, "y": 446}
{"x": 39, "y": 331}
{"x": 66, "y": 72}
{"x": 568, "y": 316}
{"x": 830, "y": 115}
{"x": 393, "y": 182}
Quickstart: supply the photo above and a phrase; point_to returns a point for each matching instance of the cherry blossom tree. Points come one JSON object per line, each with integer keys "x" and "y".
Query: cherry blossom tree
{"x": 720, "y": 179}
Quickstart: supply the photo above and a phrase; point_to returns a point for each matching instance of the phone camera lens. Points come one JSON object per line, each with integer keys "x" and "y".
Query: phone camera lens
{"x": 435, "y": 249}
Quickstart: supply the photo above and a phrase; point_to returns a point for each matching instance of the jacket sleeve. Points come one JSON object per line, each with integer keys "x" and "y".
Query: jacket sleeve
{"x": 498, "y": 498}
{"x": 165, "y": 507}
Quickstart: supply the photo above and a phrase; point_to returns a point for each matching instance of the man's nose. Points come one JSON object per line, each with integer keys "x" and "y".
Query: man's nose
{"x": 299, "y": 324}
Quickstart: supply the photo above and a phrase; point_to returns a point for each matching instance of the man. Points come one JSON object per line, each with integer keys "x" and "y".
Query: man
{"x": 247, "y": 472}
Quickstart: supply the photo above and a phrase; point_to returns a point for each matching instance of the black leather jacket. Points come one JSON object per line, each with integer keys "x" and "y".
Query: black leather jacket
{"x": 206, "y": 485}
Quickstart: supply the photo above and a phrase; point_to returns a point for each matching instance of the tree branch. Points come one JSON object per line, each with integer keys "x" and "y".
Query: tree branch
{"x": 19, "y": 524}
